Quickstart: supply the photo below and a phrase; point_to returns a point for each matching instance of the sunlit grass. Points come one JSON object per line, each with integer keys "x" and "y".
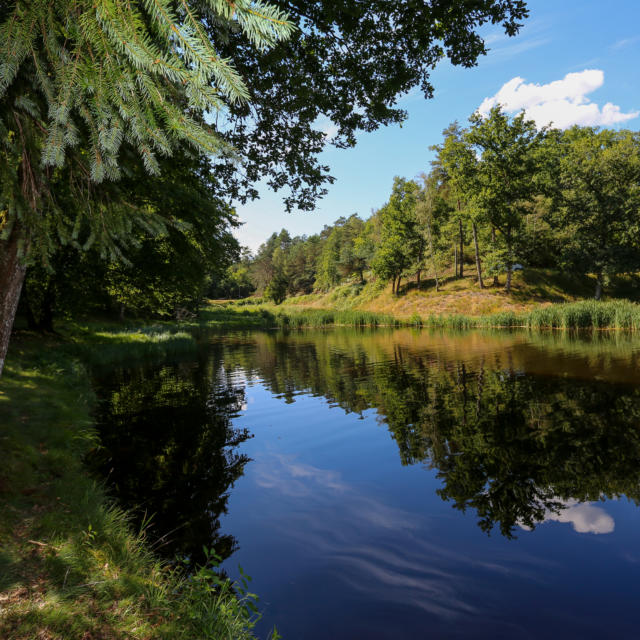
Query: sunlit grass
{"x": 540, "y": 298}
{"x": 585, "y": 314}
{"x": 71, "y": 565}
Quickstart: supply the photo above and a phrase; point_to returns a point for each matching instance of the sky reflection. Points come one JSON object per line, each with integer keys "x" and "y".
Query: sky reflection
{"x": 584, "y": 517}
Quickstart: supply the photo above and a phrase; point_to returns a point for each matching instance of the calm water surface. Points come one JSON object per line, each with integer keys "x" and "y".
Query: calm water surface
{"x": 396, "y": 484}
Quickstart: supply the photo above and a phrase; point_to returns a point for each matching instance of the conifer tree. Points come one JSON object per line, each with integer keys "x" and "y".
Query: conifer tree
{"x": 83, "y": 83}
{"x": 399, "y": 243}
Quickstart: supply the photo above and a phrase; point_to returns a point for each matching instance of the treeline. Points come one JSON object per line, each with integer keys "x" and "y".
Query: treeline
{"x": 500, "y": 194}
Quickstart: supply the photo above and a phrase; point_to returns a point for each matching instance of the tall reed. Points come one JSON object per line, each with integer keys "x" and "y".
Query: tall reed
{"x": 587, "y": 314}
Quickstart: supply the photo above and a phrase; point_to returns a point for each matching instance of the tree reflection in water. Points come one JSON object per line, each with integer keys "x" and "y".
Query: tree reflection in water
{"x": 170, "y": 452}
{"x": 518, "y": 448}
{"x": 513, "y": 434}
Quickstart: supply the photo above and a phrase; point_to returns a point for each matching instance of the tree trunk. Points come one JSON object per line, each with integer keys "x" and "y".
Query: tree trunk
{"x": 25, "y": 301}
{"x": 475, "y": 244}
{"x": 12, "y": 272}
{"x": 507, "y": 286}
{"x": 496, "y": 282}
{"x": 398, "y": 285}
{"x": 598, "y": 294}
{"x": 455, "y": 260}
{"x": 433, "y": 257}
{"x": 461, "y": 259}
{"x": 419, "y": 272}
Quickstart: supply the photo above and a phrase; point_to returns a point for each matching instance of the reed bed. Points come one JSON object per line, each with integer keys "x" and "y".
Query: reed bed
{"x": 614, "y": 314}
{"x": 324, "y": 318}
{"x": 587, "y": 314}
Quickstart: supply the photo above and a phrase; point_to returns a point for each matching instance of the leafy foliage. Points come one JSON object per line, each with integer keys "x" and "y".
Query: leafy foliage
{"x": 346, "y": 63}
{"x": 166, "y": 273}
{"x": 598, "y": 198}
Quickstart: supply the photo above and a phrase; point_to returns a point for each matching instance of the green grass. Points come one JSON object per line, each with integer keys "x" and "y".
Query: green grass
{"x": 149, "y": 343}
{"x": 71, "y": 565}
{"x": 586, "y": 314}
{"x": 531, "y": 287}
{"x": 324, "y": 318}
{"x": 613, "y": 314}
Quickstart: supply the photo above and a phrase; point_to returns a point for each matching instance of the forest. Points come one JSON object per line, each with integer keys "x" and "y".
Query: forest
{"x": 501, "y": 195}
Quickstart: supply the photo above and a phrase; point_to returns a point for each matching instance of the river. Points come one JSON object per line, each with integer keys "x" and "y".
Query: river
{"x": 394, "y": 483}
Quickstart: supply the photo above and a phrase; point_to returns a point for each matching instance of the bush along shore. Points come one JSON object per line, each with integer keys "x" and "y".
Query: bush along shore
{"x": 71, "y": 564}
{"x": 587, "y": 314}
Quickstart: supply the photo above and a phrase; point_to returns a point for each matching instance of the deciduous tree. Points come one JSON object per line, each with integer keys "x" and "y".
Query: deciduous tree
{"x": 507, "y": 172}
{"x": 598, "y": 201}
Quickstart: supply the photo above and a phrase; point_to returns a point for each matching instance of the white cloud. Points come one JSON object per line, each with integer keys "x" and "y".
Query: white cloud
{"x": 625, "y": 42}
{"x": 281, "y": 472}
{"x": 562, "y": 102}
{"x": 584, "y": 516}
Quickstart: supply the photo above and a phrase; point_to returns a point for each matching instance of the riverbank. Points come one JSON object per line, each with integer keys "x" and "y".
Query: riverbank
{"x": 71, "y": 565}
{"x": 459, "y": 302}
{"x": 585, "y": 314}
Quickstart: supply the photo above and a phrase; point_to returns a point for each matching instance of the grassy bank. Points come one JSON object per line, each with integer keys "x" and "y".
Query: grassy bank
{"x": 71, "y": 566}
{"x": 586, "y": 314}
{"x": 102, "y": 347}
{"x": 531, "y": 288}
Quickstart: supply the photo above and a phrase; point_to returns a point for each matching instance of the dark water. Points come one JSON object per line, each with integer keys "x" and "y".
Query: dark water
{"x": 396, "y": 484}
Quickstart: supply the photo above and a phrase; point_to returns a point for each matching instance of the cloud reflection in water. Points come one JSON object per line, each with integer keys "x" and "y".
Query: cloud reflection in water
{"x": 584, "y": 517}
{"x": 382, "y": 552}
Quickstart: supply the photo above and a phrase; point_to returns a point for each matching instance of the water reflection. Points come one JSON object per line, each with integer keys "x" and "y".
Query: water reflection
{"x": 514, "y": 435}
{"x": 170, "y": 451}
{"x": 585, "y": 517}
{"x": 519, "y": 429}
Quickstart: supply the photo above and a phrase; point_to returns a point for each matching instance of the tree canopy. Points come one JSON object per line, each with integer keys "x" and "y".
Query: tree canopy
{"x": 347, "y": 62}
{"x": 85, "y": 87}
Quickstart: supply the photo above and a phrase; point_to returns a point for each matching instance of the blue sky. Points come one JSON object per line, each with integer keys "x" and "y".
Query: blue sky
{"x": 597, "y": 43}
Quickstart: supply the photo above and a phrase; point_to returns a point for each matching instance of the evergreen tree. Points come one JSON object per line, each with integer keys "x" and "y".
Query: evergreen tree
{"x": 84, "y": 82}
